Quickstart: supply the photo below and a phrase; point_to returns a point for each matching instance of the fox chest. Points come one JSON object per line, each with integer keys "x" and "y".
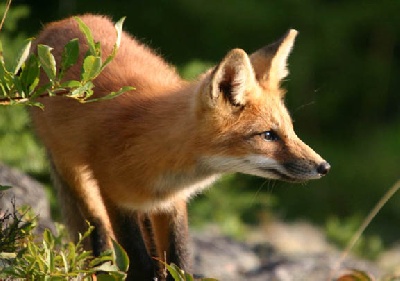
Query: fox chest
{"x": 181, "y": 186}
{"x": 161, "y": 192}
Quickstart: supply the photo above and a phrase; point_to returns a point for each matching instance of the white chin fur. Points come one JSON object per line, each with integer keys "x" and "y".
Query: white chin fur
{"x": 256, "y": 165}
{"x": 247, "y": 165}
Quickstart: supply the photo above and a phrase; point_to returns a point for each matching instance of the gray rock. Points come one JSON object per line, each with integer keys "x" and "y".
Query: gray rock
{"x": 220, "y": 257}
{"x": 26, "y": 192}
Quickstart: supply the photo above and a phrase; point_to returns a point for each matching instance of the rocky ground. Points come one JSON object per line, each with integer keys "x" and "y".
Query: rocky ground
{"x": 309, "y": 259}
{"x": 279, "y": 251}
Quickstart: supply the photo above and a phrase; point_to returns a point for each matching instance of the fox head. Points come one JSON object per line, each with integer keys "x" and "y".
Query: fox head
{"x": 241, "y": 102}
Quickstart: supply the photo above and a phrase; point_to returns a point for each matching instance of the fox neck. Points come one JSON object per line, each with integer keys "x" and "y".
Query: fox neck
{"x": 166, "y": 126}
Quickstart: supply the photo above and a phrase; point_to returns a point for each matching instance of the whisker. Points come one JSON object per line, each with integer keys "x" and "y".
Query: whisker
{"x": 301, "y": 107}
{"x": 259, "y": 190}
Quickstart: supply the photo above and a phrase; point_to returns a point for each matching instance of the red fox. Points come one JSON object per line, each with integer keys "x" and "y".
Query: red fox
{"x": 129, "y": 165}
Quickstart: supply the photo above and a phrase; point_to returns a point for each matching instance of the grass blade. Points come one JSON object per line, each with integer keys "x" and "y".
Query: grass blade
{"x": 389, "y": 194}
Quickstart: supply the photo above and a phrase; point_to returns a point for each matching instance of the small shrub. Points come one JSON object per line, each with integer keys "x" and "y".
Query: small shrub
{"x": 23, "y": 257}
{"x": 15, "y": 227}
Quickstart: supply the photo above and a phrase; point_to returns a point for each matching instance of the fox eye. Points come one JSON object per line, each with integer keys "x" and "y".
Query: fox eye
{"x": 270, "y": 135}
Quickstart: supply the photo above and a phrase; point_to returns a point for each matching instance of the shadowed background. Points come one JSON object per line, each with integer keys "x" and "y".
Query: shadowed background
{"x": 343, "y": 93}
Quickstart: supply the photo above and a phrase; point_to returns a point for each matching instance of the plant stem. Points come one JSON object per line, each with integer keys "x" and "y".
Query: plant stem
{"x": 8, "y": 100}
{"x": 5, "y": 13}
{"x": 364, "y": 225}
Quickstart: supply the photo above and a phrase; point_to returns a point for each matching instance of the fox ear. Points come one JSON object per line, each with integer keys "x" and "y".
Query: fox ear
{"x": 231, "y": 78}
{"x": 269, "y": 63}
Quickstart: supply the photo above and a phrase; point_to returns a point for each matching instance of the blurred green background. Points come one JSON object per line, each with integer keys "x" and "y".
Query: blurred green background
{"x": 343, "y": 93}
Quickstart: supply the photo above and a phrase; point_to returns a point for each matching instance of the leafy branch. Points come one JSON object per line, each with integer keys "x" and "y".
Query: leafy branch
{"x": 19, "y": 84}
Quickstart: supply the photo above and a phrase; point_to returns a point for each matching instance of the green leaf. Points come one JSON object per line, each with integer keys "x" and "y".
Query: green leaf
{"x": 113, "y": 94}
{"x": 91, "y": 68}
{"x": 65, "y": 262}
{"x": 97, "y": 47}
{"x": 70, "y": 54}
{"x": 82, "y": 93}
{"x": 20, "y": 91}
{"x": 175, "y": 272}
{"x": 188, "y": 277}
{"x": 50, "y": 260}
{"x": 118, "y": 28}
{"x": 109, "y": 59}
{"x": 118, "y": 275}
{"x": 89, "y": 227}
{"x": 3, "y": 69}
{"x": 88, "y": 35}
{"x": 83, "y": 256}
{"x": 22, "y": 56}
{"x": 48, "y": 238}
{"x": 42, "y": 89}
{"x": 105, "y": 277}
{"x": 5, "y": 79}
{"x": 71, "y": 84}
{"x": 106, "y": 256}
{"x": 71, "y": 255}
{"x": 5, "y": 255}
{"x": 47, "y": 61}
{"x": 30, "y": 74}
{"x": 121, "y": 257}
{"x": 106, "y": 267}
{"x": 4, "y": 187}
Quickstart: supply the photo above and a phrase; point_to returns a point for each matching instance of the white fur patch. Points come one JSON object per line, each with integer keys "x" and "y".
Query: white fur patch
{"x": 172, "y": 187}
{"x": 252, "y": 164}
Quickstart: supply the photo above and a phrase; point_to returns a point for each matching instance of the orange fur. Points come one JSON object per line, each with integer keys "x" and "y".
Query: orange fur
{"x": 158, "y": 145}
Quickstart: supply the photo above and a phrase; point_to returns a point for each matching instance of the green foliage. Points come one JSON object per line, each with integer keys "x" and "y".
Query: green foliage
{"x": 15, "y": 227}
{"x": 180, "y": 275}
{"x": 19, "y": 146}
{"x": 58, "y": 260}
{"x": 120, "y": 257}
{"x": 23, "y": 256}
{"x": 69, "y": 55}
{"x": 23, "y": 88}
{"x": 4, "y": 187}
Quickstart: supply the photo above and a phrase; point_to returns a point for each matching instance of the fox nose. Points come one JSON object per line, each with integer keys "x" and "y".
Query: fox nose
{"x": 323, "y": 168}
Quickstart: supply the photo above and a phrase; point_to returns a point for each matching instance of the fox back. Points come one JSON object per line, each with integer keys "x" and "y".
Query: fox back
{"x": 152, "y": 148}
